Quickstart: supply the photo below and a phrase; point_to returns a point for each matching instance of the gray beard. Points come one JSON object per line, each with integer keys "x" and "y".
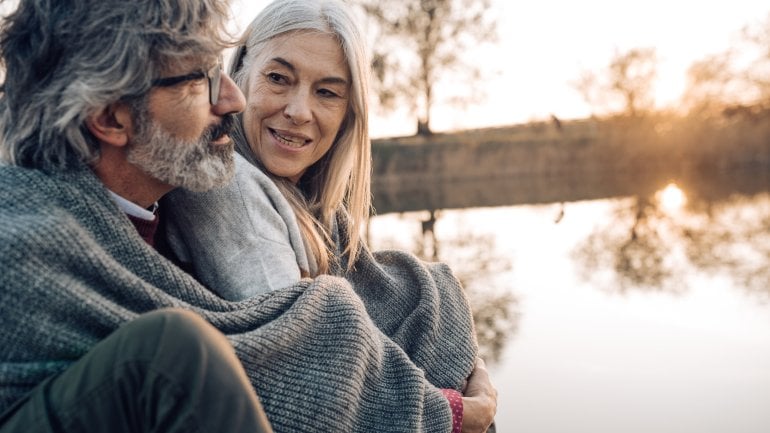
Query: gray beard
{"x": 196, "y": 165}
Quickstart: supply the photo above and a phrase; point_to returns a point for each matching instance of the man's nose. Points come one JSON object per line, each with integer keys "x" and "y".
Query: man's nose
{"x": 231, "y": 99}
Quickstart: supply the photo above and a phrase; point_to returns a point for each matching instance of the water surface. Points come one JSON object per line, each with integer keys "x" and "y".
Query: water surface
{"x": 645, "y": 312}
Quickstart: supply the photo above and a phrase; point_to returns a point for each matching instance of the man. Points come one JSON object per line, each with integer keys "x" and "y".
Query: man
{"x": 106, "y": 106}
{"x": 85, "y": 95}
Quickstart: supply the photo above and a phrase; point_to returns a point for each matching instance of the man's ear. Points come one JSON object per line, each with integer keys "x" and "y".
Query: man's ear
{"x": 112, "y": 125}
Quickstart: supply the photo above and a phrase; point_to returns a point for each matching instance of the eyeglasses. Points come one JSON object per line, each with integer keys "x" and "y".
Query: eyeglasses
{"x": 214, "y": 76}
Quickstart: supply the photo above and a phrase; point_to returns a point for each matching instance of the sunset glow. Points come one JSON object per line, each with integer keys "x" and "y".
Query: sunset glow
{"x": 671, "y": 198}
{"x": 543, "y": 46}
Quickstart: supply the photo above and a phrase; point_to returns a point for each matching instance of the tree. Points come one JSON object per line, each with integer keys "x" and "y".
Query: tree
{"x": 711, "y": 84}
{"x": 419, "y": 41}
{"x": 733, "y": 82}
{"x": 758, "y": 36}
{"x": 626, "y": 86}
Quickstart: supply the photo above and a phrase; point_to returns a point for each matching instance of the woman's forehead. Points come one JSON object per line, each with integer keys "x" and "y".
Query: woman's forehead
{"x": 306, "y": 47}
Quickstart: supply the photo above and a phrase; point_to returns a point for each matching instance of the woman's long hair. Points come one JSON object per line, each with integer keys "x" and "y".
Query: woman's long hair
{"x": 340, "y": 180}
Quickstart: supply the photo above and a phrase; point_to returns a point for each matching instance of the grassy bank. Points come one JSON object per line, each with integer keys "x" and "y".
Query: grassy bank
{"x": 615, "y": 145}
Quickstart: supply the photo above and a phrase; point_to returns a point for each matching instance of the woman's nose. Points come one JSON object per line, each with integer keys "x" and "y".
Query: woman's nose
{"x": 297, "y": 108}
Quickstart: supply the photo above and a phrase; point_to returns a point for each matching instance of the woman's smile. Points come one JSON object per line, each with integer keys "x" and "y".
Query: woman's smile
{"x": 292, "y": 141}
{"x": 297, "y": 99}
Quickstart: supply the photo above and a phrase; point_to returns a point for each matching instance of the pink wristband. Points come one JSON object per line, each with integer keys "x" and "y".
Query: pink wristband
{"x": 456, "y": 404}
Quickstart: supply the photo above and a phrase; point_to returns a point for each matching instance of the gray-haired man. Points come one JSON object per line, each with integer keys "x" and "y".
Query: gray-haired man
{"x": 133, "y": 90}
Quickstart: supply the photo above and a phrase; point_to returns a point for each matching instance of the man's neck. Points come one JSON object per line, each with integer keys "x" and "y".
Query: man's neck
{"x": 144, "y": 220}
{"x": 127, "y": 180}
{"x": 134, "y": 209}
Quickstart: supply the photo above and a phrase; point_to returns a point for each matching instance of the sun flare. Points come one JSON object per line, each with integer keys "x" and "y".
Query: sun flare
{"x": 671, "y": 198}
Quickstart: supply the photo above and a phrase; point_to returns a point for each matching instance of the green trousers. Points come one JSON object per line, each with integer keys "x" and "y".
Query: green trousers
{"x": 167, "y": 371}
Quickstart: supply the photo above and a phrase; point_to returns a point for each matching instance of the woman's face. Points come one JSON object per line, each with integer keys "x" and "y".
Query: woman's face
{"x": 296, "y": 100}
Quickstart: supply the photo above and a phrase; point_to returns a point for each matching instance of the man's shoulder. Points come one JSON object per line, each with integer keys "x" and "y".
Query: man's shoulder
{"x": 27, "y": 221}
{"x": 42, "y": 184}
{"x": 26, "y": 198}
{"x": 31, "y": 198}
{"x": 20, "y": 188}
{"x": 12, "y": 173}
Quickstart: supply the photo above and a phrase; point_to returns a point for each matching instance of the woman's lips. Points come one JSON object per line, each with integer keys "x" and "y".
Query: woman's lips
{"x": 289, "y": 140}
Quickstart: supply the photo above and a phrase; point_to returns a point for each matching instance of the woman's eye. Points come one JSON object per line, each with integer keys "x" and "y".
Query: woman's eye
{"x": 326, "y": 93}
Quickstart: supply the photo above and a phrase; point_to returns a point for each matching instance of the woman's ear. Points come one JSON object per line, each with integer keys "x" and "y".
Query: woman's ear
{"x": 112, "y": 125}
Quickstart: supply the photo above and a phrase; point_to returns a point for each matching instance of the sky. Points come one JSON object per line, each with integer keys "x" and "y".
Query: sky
{"x": 544, "y": 45}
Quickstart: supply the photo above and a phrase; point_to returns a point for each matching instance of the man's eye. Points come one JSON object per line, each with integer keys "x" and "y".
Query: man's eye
{"x": 276, "y": 78}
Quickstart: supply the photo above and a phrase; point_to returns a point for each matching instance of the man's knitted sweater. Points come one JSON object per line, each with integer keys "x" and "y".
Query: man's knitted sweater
{"x": 321, "y": 355}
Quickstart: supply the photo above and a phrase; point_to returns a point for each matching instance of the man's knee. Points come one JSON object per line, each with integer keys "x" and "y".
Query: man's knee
{"x": 175, "y": 334}
{"x": 174, "y": 321}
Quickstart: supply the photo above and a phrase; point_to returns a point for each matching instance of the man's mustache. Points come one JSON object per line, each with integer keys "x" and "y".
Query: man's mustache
{"x": 226, "y": 126}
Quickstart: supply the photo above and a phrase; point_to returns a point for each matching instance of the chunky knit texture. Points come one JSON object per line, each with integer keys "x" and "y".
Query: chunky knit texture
{"x": 324, "y": 354}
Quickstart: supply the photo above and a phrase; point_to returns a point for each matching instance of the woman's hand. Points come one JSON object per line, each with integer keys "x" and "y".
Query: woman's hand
{"x": 479, "y": 400}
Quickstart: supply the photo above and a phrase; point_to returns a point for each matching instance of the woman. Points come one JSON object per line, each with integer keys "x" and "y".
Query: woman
{"x": 304, "y": 69}
{"x": 301, "y": 195}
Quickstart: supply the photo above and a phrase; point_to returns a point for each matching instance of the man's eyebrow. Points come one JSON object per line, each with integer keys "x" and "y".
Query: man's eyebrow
{"x": 329, "y": 80}
{"x": 284, "y": 62}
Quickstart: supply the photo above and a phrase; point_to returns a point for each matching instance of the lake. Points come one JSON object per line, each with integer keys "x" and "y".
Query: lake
{"x": 644, "y": 311}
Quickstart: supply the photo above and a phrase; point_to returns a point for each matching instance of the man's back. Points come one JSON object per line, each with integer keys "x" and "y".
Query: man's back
{"x": 50, "y": 251}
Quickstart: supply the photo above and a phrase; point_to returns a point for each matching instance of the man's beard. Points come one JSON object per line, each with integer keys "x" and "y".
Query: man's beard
{"x": 196, "y": 165}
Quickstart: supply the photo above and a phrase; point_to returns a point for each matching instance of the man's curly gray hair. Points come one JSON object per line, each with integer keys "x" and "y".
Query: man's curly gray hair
{"x": 67, "y": 59}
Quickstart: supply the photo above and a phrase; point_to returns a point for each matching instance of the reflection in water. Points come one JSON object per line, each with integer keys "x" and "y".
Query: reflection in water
{"x": 671, "y": 198}
{"x": 427, "y": 245}
{"x": 634, "y": 251}
{"x": 645, "y": 362}
{"x": 476, "y": 262}
{"x": 735, "y": 242}
{"x": 653, "y": 241}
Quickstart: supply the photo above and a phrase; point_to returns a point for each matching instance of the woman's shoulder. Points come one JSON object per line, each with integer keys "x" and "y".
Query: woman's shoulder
{"x": 250, "y": 176}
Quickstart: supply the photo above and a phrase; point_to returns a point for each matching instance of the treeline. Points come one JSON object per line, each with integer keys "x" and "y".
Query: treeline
{"x": 619, "y": 144}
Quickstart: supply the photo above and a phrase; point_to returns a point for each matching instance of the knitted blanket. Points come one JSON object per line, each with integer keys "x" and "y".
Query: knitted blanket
{"x": 323, "y": 355}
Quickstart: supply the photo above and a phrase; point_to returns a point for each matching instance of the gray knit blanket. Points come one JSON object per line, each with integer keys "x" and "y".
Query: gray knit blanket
{"x": 359, "y": 355}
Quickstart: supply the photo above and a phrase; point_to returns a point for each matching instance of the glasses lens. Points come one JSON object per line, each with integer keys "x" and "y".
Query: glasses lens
{"x": 215, "y": 78}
